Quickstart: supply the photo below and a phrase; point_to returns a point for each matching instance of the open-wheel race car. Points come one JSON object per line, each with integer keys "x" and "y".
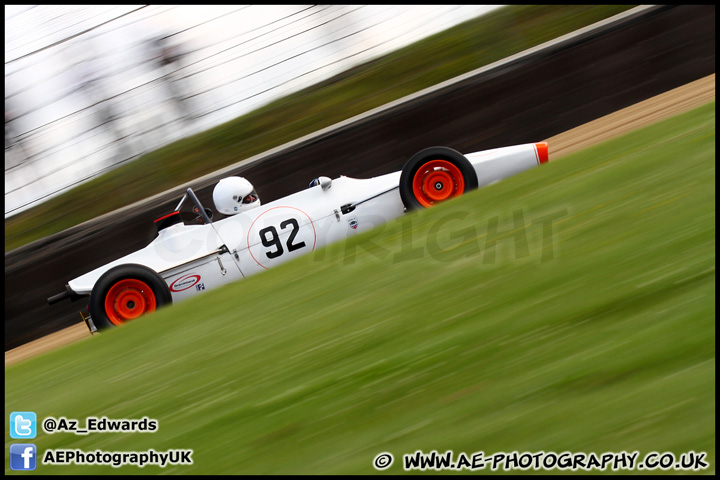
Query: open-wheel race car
{"x": 187, "y": 258}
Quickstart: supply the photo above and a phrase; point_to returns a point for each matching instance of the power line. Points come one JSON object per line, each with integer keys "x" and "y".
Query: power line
{"x": 172, "y": 73}
{"x": 20, "y": 13}
{"x": 59, "y": 42}
{"x": 64, "y": 12}
{"x": 251, "y": 39}
{"x": 205, "y": 22}
{"x": 268, "y": 46}
{"x": 139, "y": 110}
{"x": 60, "y": 97}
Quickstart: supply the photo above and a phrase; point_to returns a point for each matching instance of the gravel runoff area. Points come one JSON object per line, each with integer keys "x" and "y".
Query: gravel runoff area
{"x": 634, "y": 117}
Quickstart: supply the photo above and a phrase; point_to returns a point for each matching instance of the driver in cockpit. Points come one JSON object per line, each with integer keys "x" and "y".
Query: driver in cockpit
{"x": 233, "y": 195}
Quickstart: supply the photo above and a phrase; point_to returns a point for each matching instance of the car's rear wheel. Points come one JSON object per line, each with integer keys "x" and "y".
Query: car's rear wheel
{"x": 434, "y": 175}
{"x": 125, "y": 293}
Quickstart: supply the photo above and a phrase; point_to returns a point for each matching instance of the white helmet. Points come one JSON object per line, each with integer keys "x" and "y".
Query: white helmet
{"x": 234, "y": 195}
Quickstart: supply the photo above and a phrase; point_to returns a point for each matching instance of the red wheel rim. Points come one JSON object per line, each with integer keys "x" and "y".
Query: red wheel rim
{"x": 128, "y": 299}
{"x": 437, "y": 181}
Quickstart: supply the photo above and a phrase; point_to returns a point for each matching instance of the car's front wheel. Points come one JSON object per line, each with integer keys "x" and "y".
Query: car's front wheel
{"x": 434, "y": 175}
{"x": 126, "y": 292}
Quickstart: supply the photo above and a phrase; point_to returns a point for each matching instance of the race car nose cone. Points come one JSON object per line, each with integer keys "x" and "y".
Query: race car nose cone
{"x": 542, "y": 151}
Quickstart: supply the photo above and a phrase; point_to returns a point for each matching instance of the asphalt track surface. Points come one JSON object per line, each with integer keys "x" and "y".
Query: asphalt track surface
{"x": 531, "y": 99}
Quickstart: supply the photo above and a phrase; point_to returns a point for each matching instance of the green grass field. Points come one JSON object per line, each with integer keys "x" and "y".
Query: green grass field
{"x": 570, "y": 308}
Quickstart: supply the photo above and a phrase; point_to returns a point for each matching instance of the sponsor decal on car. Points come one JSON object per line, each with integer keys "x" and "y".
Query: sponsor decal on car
{"x": 183, "y": 283}
{"x": 353, "y": 223}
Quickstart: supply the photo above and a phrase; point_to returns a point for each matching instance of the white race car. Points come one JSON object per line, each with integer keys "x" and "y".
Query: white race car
{"x": 186, "y": 259}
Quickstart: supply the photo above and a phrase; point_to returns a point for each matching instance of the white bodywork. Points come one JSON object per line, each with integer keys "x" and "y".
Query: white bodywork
{"x": 192, "y": 258}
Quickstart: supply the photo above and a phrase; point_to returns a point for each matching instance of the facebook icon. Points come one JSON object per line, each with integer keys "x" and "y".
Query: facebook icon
{"x": 23, "y": 456}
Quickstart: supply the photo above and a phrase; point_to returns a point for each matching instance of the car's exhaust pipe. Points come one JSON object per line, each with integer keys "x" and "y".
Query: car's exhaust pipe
{"x": 68, "y": 293}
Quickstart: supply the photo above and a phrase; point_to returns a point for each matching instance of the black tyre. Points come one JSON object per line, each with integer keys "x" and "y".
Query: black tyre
{"x": 434, "y": 175}
{"x": 126, "y": 292}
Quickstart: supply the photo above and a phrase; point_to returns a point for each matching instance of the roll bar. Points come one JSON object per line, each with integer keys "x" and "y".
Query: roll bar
{"x": 196, "y": 201}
